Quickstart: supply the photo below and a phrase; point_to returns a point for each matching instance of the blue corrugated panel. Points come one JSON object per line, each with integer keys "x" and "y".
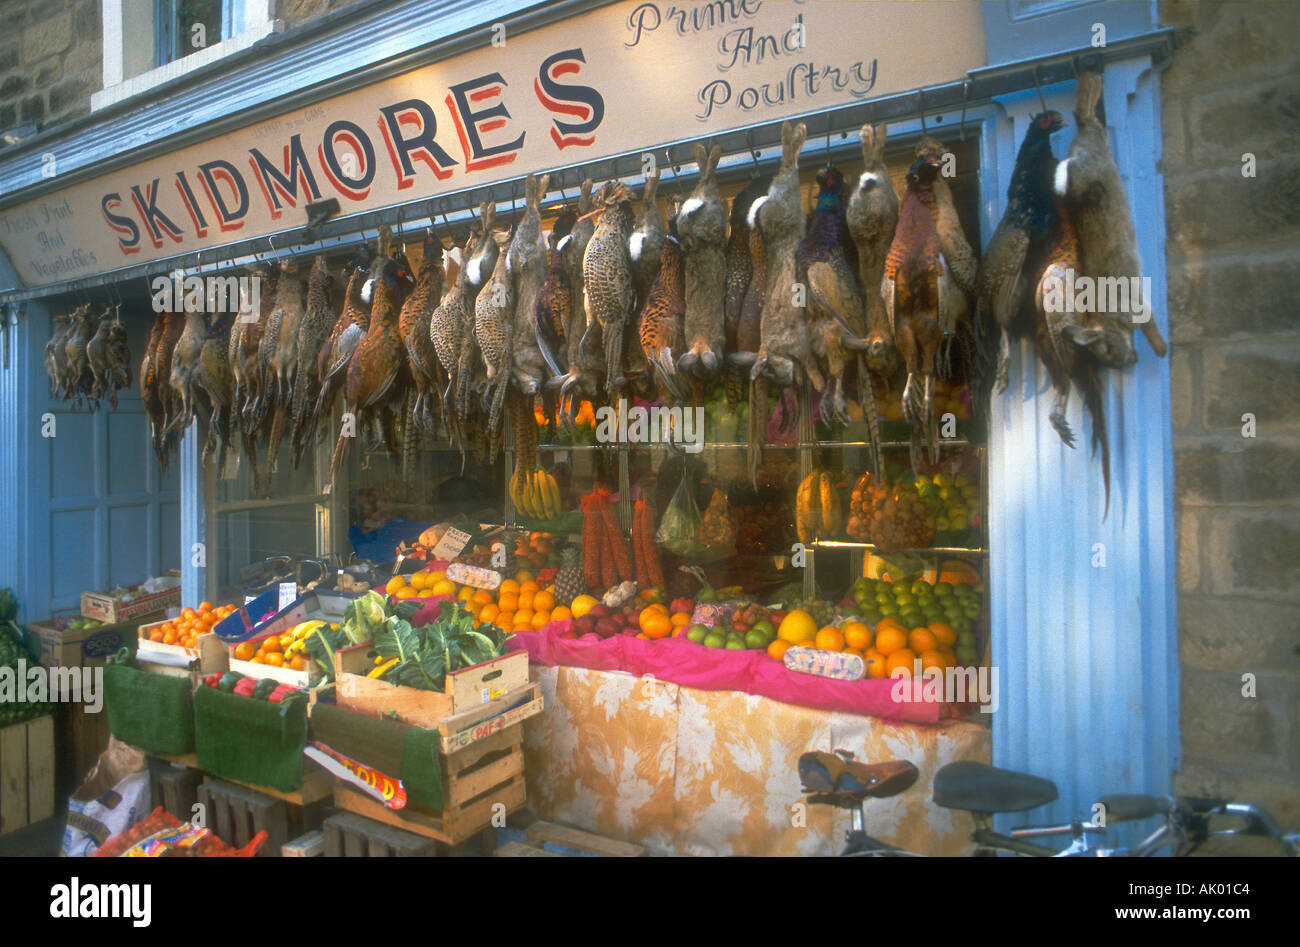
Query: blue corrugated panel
{"x": 1087, "y": 652}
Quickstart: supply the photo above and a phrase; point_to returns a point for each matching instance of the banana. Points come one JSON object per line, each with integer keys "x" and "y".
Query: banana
{"x": 553, "y": 495}
{"x": 806, "y": 502}
{"x": 304, "y": 628}
{"x": 514, "y": 489}
{"x": 527, "y": 492}
{"x": 830, "y": 506}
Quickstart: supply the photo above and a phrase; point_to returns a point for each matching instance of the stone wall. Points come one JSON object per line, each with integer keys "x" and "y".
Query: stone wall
{"x": 51, "y": 61}
{"x": 1234, "y": 302}
{"x": 51, "y": 56}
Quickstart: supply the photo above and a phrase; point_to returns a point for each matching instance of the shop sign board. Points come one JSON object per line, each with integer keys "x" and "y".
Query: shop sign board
{"x": 617, "y": 79}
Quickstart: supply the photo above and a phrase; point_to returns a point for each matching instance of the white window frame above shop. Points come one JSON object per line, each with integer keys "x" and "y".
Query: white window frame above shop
{"x": 251, "y": 20}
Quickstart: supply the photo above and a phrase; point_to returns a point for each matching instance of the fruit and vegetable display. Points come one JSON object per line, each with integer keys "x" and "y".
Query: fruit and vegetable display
{"x": 241, "y": 685}
{"x": 185, "y": 628}
{"x": 288, "y": 650}
{"x": 422, "y": 656}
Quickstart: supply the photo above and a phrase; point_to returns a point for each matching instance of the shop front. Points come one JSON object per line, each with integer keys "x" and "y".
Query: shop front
{"x": 559, "y": 331}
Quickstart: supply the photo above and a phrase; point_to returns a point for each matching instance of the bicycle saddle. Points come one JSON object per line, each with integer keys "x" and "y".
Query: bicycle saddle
{"x": 977, "y": 787}
{"x": 846, "y": 782}
{"x": 1126, "y": 807}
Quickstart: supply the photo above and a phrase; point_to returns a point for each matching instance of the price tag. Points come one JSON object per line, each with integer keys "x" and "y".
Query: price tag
{"x": 288, "y": 595}
{"x": 451, "y": 544}
{"x": 249, "y": 598}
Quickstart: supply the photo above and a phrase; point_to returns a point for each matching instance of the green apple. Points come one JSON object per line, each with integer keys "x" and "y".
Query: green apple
{"x": 697, "y": 633}
{"x": 715, "y": 639}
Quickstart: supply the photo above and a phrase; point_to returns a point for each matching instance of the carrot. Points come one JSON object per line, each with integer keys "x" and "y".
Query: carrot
{"x": 638, "y": 534}
{"x": 591, "y": 544}
{"x": 654, "y": 570}
{"x": 608, "y": 562}
{"x": 621, "y": 562}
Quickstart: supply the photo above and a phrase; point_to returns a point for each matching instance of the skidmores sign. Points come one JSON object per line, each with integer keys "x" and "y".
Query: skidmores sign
{"x": 617, "y": 79}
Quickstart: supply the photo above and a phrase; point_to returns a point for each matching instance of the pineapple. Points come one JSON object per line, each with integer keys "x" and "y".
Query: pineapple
{"x": 568, "y": 578}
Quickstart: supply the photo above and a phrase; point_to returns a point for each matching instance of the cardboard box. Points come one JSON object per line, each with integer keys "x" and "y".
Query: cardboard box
{"x": 85, "y": 647}
{"x": 105, "y": 608}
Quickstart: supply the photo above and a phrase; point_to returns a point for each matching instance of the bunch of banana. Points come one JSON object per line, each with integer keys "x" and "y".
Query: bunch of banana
{"x": 300, "y": 633}
{"x": 535, "y": 494}
{"x": 818, "y": 511}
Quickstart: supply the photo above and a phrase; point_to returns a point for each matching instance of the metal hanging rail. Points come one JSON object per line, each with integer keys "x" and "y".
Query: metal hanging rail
{"x": 743, "y": 148}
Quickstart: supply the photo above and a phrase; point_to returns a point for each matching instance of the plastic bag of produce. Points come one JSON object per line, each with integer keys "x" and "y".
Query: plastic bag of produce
{"x": 113, "y": 797}
{"x": 161, "y": 834}
{"x": 718, "y": 529}
{"x": 679, "y": 529}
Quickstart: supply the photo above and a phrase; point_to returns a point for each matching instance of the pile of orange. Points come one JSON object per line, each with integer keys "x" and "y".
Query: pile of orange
{"x": 184, "y": 630}
{"x": 270, "y": 650}
{"x": 656, "y": 622}
{"x": 519, "y": 604}
{"x": 887, "y": 648}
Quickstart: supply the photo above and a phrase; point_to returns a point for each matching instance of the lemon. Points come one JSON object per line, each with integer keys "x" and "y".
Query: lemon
{"x": 581, "y": 605}
{"x": 395, "y": 584}
{"x": 443, "y": 587}
{"x": 797, "y": 627}
{"x": 417, "y": 580}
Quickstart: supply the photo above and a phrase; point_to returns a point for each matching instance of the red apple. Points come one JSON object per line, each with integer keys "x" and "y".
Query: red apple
{"x": 584, "y": 625}
{"x": 599, "y": 611}
{"x": 606, "y": 627}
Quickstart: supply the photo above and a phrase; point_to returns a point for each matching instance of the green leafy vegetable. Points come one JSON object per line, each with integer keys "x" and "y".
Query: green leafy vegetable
{"x": 426, "y": 655}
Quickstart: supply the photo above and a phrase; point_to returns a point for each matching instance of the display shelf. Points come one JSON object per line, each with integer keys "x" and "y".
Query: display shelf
{"x": 737, "y": 445}
{"x": 871, "y": 547}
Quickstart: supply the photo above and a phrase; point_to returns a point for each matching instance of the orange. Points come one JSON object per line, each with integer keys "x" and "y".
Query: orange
{"x": 510, "y": 586}
{"x": 582, "y": 604}
{"x": 297, "y": 663}
{"x": 543, "y": 601}
{"x": 526, "y": 614}
{"x": 680, "y": 618}
{"x": 889, "y": 638}
{"x": 205, "y": 606}
{"x": 271, "y": 644}
{"x": 505, "y": 620}
{"x": 778, "y": 648}
{"x": 541, "y": 620}
{"x": 830, "y": 639}
{"x": 922, "y": 639}
{"x": 560, "y": 613}
{"x": 509, "y": 601}
{"x": 527, "y": 585}
{"x": 933, "y": 659}
{"x": 899, "y": 664}
{"x": 156, "y": 635}
{"x": 949, "y": 658}
{"x": 482, "y": 597}
{"x": 854, "y": 651}
{"x": 945, "y": 633}
{"x": 521, "y": 622}
{"x": 244, "y": 651}
{"x": 257, "y": 659}
{"x": 188, "y": 613}
{"x": 170, "y": 638}
{"x": 465, "y": 594}
{"x": 857, "y": 636}
{"x": 275, "y": 659}
{"x": 889, "y": 621}
{"x": 524, "y": 578}
{"x": 656, "y": 625}
{"x": 488, "y": 612}
{"x": 526, "y": 599}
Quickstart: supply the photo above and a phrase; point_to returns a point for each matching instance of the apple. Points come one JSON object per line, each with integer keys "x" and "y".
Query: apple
{"x": 697, "y": 633}
{"x": 740, "y": 625}
{"x": 599, "y": 611}
{"x": 607, "y": 627}
{"x": 584, "y": 625}
{"x": 681, "y": 605}
{"x": 778, "y": 616}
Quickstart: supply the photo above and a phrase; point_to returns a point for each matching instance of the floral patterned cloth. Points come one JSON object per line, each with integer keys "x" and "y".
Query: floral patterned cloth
{"x": 690, "y": 772}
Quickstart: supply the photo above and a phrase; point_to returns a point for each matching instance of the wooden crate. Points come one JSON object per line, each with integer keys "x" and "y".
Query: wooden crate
{"x": 80, "y": 738}
{"x": 483, "y": 780}
{"x": 317, "y": 785}
{"x": 349, "y": 835}
{"x": 26, "y": 773}
{"x": 236, "y": 814}
{"x": 478, "y": 701}
{"x": 105, "y": 608}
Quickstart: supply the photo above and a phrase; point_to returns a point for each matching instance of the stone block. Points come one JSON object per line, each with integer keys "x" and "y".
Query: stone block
{"x": 8, "y": 115}
{"x": 12, "y": 86}
{"x": 87, "y": 22}
{"x": 1184, "y": 387}
{"x": 1258, "y": 379}
{"x": 1217, "y": 207}
{"x": 1238, "y": 634}
{"x": 9, "y": 56}
{"x": 85, "y": 55}
{"x": 1189, "y": 552}
{"x": 1237, "y": 470}
{"x": 1261, "y": 118}
{"x": 32, "y": 109}
{"x": 71, "y": 92}
{"x": 1218, "y": 297}
{"x": 1219, "y": 723}
{"x": 45, "y": 40}
{"x": 1237, "y": 40}
{"x": 1275, "y": 794}
{"x": 1252, "y": 552}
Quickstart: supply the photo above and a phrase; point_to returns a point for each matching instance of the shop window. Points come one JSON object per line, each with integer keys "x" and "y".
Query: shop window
{"x": 178, "y": 36}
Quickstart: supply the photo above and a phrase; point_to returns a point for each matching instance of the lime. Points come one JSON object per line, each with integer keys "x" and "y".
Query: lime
{"x": 715, "y": 639}
{"x": 966, "y": 639}
{"x": 961, "y": 480}
{"x": 697, "y": 633}
{"x": 965, "y": 656}
{"x": 888, "y": 608}
{"x": 755, "y": 639}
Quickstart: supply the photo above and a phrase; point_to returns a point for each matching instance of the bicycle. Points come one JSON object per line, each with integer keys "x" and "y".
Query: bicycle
{"x": 838, "y": 779}
{"x": 984, "y": 790}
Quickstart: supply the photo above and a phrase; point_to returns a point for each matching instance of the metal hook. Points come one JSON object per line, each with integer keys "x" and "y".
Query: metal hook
{"x": 965, "y": 94}
{"x": 1041, "y": 101}
{"x": 920, "y": 106}
{"x": 753, "y": 152}
{"x": 829, "y": 121}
